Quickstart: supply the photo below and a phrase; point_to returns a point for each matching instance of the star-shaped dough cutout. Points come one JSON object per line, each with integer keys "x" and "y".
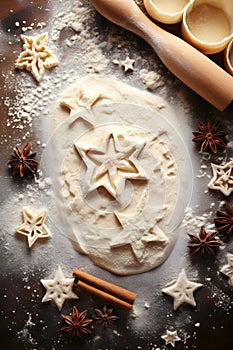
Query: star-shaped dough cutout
{"x": 33, "y": 226}
{"x": 138, "y": 239}
{"x": 182, "y": 290}
{"x": 228, "y": 269}
{"x": 82, "y": 99}
{"x": 170, "y": 337}
{"x": 128, "y": 64}
{"x": 110, "y": 164}
{"x": 59, "y": 289}
{"x": 222, "y": 179}
{"x": 36, "y": 56}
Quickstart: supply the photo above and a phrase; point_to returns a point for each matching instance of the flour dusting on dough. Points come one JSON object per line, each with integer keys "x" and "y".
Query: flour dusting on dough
{"x": 117, "y": 178}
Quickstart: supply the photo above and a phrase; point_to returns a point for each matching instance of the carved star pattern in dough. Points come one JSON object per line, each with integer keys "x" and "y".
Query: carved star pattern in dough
{"x": 170, "y": 337}
{"x": 59, "y": 289}
{"x": 110, "y": 164}
{"x": 228, "y": 269}
{"x": 128, "y": 64}
{"x": 82, "y": 99}
{"x": 222, "y": 179}
{"x": 36, "y": 56}
{"x": 182, "y": 290}
{"x": 33, "y": 226}
{"x": 152, "y": 235}
{"x": 138, "y": 239}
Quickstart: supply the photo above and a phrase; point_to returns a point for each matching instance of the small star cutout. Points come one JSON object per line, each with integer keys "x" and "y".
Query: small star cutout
{"x": 59, "y": 289}
{"x": 33, "y": 226}
{"x": 128, "y": 64}
{"x": 228, "y": 269}
{"x": 222, "y": 179}
{"x": 170, "y": 337}
{"x": 182, "y": 290}
{"x": 36, "y": 56}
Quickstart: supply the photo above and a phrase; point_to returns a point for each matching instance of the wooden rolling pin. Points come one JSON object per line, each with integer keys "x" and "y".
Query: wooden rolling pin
{"x": 188, "y": 64}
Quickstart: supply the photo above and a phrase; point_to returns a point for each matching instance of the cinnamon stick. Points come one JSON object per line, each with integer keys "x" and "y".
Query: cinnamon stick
{"x": 106, "y": 287}
{"x": 103, "y": 295}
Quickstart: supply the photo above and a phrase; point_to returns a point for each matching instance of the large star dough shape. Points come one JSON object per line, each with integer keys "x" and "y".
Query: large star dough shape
{"x": 222, "y": 179}
{"x": 33, "y": 226}
{"x": 59, "y": 289}
{"x": 36, "y": 56}
{"x": 228, "y": 269}
{"x": 182, "y": 290}
{"x": 110, "y": 164}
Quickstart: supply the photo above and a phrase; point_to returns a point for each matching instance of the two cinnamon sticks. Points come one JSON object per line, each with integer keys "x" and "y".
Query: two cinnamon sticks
{"x": 105, "y": 290}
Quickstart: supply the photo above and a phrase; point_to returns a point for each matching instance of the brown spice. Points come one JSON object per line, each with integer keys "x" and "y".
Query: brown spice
{"x": 209, "y": 136}
{"x": 23, "y": 160}
{"x": 105, "y": 317}
{"x": 204, "y": 243}
{"x": 77, "y": 323}
{"x": 104, "y": 289}
{"x": 224, "y": 220}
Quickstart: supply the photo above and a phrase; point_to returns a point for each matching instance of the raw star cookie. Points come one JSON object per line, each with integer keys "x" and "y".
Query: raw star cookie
{"x": 182, "y": 290}
{"x": 36, "y": 56}
{"x": 58, "y": 289}
{"x": 33, "y": 226}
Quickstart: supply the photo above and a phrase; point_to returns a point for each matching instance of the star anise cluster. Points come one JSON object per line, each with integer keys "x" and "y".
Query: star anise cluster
{"x": 22, "y": 161}
{"x": 105, "y": 317}
{"x": 224, "y": 220}
{"x": 210, "y": 136}
{"x": 77, "y": 323}
{"x": 203, "y": 242}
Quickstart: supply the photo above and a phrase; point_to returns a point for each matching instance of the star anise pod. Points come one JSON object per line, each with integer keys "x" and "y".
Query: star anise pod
{"x": 224, "y": 220}
{"x": 105, "y": 317}
{"x": 77, "y": 323}
{"x": 203, "y": 242}
{"x": 23, "y": 160}
{"x": 209, "y": 136}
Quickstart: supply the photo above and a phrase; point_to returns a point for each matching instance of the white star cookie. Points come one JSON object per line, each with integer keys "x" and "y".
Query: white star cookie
{"x": 228, "y": 269}
{"x": 36, "y": 56}
{"x": 128, "y": 64}
{"x": 59, "y": 289}
{"x": 222, "y": 179}
{"x": 182, "y": 290}
{"x": 170, "y": 337}
{"x": 33, "y": 226}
